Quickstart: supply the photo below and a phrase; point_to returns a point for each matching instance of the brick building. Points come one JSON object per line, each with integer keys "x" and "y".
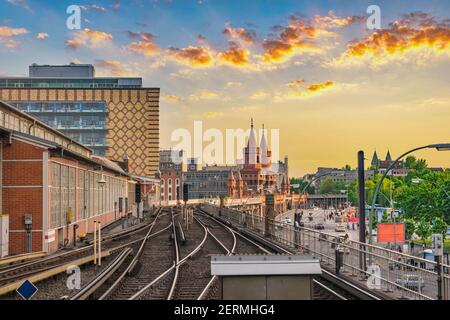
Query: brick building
{"x": 171, "y": 175}
{"x": 55, "y": 181}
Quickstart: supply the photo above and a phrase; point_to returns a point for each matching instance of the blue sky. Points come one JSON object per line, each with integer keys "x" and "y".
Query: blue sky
{"x": 331, "y": 79}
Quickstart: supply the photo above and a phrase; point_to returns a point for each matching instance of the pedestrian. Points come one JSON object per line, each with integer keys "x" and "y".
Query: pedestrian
{"x": 353, "y": 226}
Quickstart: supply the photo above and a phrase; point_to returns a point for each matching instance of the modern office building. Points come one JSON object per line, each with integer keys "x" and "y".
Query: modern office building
{"x": 115, "y": 117}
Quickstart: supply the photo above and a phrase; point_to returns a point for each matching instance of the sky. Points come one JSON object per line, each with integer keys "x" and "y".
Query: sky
{"x": 311, "y": 69}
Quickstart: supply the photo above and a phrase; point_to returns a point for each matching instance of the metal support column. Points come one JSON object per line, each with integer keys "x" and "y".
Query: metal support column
{"x": 362, "y": 210}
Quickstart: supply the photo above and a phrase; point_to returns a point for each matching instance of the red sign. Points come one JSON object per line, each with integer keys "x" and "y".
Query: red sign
{"x": 390, "y": 232}
{"x": 353, "y": 219}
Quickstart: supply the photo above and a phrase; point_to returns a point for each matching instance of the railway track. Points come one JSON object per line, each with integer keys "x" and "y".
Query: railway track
{"x": 137, "y": 269}
{"x": 156, "y": 265}
{"x": 114, "y": 243}
{"x": 324, "y": 289}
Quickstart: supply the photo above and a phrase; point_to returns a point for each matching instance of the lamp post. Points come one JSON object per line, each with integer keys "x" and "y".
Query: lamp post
{"x": 317, "y": 178}
{"x": 438, "y": 147}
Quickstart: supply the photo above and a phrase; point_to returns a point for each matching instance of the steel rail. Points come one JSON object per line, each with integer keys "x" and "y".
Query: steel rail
{"x": 96, "y": 283}
{"x": 174, "y": 266}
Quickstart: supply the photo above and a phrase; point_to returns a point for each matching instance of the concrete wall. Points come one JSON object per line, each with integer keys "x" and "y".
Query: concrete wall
{"x": 289, "y": 287}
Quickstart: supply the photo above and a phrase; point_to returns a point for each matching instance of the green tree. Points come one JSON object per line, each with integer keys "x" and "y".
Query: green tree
{"x": 410, "y": 227}
{"x": 423, "y": 229}
{"x": 439, "y": 226}
{"x": 410, "y": 162}
{"x": 353, "y": 193}
{"x": 327, "y": 186}
{"x": 384, "y": 217}
{"x": 347, "y": 167}
{"x": 302, "y": 183}
{"x": 330, "y": 186}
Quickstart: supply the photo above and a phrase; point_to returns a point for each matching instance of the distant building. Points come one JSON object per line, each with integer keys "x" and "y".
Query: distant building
{"x": 257, "y": 168}
{"x": 213, "y": 181}
{"x": 171, "y": 174}
{"x": 380, "y": 166}
{"x": 339, "y": 175}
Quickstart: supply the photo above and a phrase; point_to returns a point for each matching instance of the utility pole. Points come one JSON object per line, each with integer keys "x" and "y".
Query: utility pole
{"x": 362, "y": 209}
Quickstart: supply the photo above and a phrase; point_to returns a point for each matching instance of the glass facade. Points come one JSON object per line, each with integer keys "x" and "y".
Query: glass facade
{"x": 84, "y": 122}
{"x": 92, "y": 83}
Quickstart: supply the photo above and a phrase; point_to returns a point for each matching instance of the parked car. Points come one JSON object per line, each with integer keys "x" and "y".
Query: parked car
{"x": 319, "y": 226}
{"x": 340, "y": 228}
{"x": 411, "y": 281}
{"x": 286, "y": 220}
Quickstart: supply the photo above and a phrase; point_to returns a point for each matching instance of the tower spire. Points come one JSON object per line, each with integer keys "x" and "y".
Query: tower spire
{"x": 252, "y": 124}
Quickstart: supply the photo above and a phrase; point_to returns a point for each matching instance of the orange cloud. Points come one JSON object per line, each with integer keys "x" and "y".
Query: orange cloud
{"x": 193, "y": 56}
{"x": 320, "y": 86}
{"x": 114, "y": 68}
{"x": 88, "y": 38}
{"x": 295, "y": 84}
{"x": 301, "y": 36}
{"x": 235, "y": 56}
{"x": 7, "y": 33}
{"x": 332, "y": 21}
{"x": 146, "y": 44}
{"x": 415, "y": 32}
{"x": 171, "y": 98}
{"x": 299, "y": 91}
{"x": 244, "y": 36}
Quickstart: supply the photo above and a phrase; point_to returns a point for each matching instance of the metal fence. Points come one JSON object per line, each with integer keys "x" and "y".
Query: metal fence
{"x": 401, "y": 275}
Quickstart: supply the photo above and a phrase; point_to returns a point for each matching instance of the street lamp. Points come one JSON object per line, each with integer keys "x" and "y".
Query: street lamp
{"x": 438, "y": 147}
{"x": 317, "y": 178}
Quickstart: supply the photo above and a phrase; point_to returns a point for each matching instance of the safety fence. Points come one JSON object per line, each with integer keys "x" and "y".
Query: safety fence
{"x": 402, "y": 275}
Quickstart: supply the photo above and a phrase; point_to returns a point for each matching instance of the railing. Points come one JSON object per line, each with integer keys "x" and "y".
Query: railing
{"x": 401, "y": 275}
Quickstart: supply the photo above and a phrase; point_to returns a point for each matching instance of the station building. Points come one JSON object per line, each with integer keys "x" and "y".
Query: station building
{"x": 50, "y": 184}
{"x": 115, "y": 117}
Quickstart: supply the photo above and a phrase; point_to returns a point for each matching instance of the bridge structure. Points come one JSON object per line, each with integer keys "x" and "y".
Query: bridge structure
{"x": 325, "y": 201}
{"x": 373, "y": 271}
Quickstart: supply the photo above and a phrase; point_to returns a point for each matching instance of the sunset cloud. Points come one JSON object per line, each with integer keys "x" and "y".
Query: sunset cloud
{"x": 7, "y": 35}
{"x": 193, "y": 56}
{"x": 320, "y": 86}
{"x": 204, "y": 95}
{"x": 301, "y": 36}
{"x": 235, "y": 56}
{"x": 298, "y": 90}
{"x": 171, "y": 98}
{"x": 7, "y": 32}
{"x": 146, "y": 44}
{"x": 259, "y": 95}
{"x": 240, "y": 34}
{"x": 213, "y": 114}
{"x": 295, "y": 84}
{"x": 42, "y": 36}
{"x": 415, "y": 33}
{"x": 114, "y": 68}
{"x": 88, "y": 38}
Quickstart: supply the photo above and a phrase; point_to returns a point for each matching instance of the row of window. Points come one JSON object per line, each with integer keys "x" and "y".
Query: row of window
{"x": 70, "y": 83}
{"x": 94, "y": 197}
{"x": 13, "y": 122}
{"x": 50, "y": 107}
